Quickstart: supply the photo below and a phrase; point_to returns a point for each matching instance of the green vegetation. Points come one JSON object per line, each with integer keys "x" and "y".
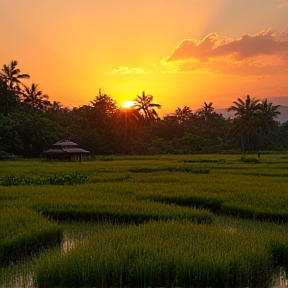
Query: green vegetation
{"x": 145, "y": 221}
{"x": 180, "y": 254}
{"x": 66, "y": 179}
{"x": 22, "y": 232}
{"x": 30, "y": 124}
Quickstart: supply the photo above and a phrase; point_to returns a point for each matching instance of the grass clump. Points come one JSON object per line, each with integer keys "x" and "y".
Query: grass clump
{"x": 128, "y": 211}
{"x": 24, "y": 232}
{"x": 171, "y": 254}
{"x": 76, "y": 177}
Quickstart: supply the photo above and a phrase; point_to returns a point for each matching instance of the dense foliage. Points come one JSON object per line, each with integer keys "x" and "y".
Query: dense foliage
{"x": 30, "y": 123}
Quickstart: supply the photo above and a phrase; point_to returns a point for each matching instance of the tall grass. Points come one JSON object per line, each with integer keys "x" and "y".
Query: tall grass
{"x": 115, "y": 208}
{"x": 167, "y": 254}
{"x": 23, "y": 232}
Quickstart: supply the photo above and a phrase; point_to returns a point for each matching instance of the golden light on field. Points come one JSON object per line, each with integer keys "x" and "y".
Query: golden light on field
{"x": 128, "y": 104}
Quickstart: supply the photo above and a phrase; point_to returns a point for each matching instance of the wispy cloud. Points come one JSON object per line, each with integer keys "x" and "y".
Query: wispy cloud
{"x": 283, "y": 4}
{"x": 264, "y": 52}
{"x": 128, "y": 70}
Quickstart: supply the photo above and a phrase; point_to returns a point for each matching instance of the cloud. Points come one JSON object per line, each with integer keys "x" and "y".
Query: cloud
{"x": 127, "y": 70}
{"x": 198, "y": 49}
{"x": 264, "y": 52}
{"x": 283, "y": 5}
{"x": 264, "y": 43}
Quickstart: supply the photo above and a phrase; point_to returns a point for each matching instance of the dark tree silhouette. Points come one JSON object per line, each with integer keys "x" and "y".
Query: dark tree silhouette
{"x": 268, "y": 112}
{"x": 144, "y": 105}
{"x": 184, "y": 114}
{"x": 11, "y": 75}
{"x": 246, "y": 120}
{"x": 35, "y": 98}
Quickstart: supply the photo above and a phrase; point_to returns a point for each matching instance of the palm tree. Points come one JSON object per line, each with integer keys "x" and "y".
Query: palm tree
{"x": 143, "y": 104}
{"x": 206, "y": 110}
{"x": 266, "y": 121}
{"x": 34, "y": 97}
{"x": 246, "y": 120}
{"x": 10, "y": 75}
{"x": 268, "y": 112}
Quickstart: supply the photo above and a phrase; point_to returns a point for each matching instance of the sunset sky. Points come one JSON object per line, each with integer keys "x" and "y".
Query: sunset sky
{"x": 183, "y": 52}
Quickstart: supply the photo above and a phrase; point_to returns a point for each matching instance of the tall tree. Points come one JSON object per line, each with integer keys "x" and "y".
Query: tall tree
{"x": 35, "y": 98}
{"x": 144, "y": 105}
{"x": 268, "y": 113}
{"x": 11, "y": 76}
{"x": 246, "y": 122}
{"x": 266, "y": 121}
{"x": 101, "y": 118}
{"x": 206, "y": 110}
{"x": 104, "y": 105}
{"x": 183, "y": 115}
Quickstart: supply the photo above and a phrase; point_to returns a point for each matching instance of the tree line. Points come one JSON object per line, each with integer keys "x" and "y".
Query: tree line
{"x": 30, "y": 123}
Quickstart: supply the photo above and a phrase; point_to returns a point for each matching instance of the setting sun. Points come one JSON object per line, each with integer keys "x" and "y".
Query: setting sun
{"x": 128, "y": 104}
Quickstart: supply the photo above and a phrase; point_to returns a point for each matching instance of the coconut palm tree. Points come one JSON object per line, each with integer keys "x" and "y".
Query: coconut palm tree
{"x": 245, "y": 108}
{"x": 143, "y": 104}
{"x": 208, "y": 108}
{"x": 268, "y": 112}
{"x": 246, "y": 120}
{"x": 10, "y": 75}
{"x": 266, "y": 121}
{"x": 35, "y": 98}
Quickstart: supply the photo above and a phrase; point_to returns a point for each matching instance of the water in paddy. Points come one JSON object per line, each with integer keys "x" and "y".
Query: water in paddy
{"x": 20, "y": 275}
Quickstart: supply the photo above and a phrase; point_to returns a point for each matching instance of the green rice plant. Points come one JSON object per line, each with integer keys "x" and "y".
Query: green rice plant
{"x": 128, "y": 211}
{"x": 177, "y": 254}
{"x": 76, "y": 177}
{"x": 23, "y": 232}
{"x": 205, "y": 161}
{"x": 251, "y": 160}
{"x": 170, "y": 169}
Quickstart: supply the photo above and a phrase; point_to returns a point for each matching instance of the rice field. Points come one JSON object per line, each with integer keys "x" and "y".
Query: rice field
{"x": 175, "y": 221}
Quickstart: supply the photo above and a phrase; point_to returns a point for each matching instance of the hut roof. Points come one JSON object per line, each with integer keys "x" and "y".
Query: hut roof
{"x": 66, "y": 147}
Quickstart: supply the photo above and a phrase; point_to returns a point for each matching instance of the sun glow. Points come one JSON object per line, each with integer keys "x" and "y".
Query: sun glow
{"x": 128, "y": 104}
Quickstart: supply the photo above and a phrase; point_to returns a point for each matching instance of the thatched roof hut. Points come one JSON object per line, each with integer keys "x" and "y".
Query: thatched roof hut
{"x": 65, "y": 150}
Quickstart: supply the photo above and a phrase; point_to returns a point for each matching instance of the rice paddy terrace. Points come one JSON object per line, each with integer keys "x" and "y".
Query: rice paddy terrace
{"x": 163, "y": 221}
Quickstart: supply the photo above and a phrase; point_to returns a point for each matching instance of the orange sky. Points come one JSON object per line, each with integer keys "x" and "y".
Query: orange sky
{"x": 183, "y": 52}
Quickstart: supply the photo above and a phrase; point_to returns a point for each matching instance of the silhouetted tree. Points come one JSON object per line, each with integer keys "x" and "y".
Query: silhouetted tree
{"x": 184, "y": 114}
{"x": 246, "y": 119}
{"x": 268, "y": 112}
{"x": 11, "y": 75}
{"x": 35, "y": 98}
{"x": 101, "y": 119}
{"x": 144, "y": 105}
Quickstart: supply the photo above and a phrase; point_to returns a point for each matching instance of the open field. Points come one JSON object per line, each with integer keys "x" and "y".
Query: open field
{"x": 185, "y": 221}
